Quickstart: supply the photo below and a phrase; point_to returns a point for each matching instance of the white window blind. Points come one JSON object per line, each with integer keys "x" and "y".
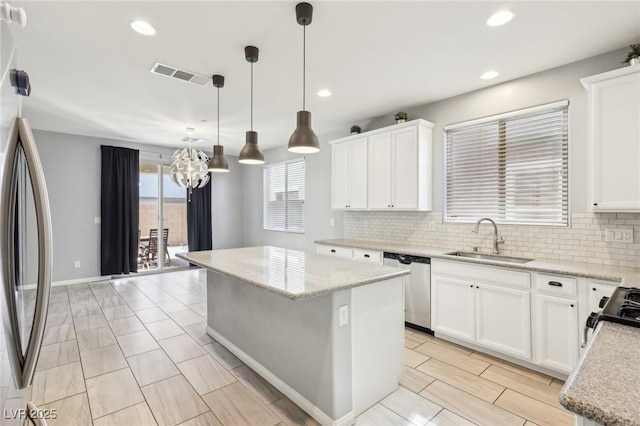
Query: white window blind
{"x": 284, "y": 193}
{"x": 512, "y": 168}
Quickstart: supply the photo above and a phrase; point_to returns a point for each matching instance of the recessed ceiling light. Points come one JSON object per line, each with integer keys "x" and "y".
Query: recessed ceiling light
{"x": 500, "y": 18}
{"x": 143, "y": 28}
{"x": 324, "y": 93}
{"x": 489, "y": 75}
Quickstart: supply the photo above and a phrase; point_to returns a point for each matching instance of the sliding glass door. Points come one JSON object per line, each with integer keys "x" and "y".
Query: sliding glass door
{"x": 163, "y": 219}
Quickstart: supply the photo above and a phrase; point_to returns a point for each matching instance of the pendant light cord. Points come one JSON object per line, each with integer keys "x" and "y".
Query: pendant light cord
{"x": 252, "y": 96}
{"x": 218, "y": 126}
{"x": 304, "y": 66}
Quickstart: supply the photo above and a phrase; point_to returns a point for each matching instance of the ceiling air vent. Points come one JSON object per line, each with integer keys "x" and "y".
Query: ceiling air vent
{"x": 179, "y": 74}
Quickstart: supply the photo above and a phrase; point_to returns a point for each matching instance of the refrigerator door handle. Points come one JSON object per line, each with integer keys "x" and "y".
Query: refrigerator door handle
{"x": 24, "y": 366}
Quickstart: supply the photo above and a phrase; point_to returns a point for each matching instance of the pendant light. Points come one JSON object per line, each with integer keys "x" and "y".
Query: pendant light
{"x": 189, "y": 166}
{"x": 303, "y": 140}
{"x": 251, "y": 153}
{"x": 218, "y": 163}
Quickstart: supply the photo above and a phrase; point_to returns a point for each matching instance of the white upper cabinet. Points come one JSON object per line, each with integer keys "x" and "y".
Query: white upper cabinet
{"x": 380, "y": 171}
{"x": 405, "y": 155}
{"x": 614, "y": 139}
{"x": 395, "y": 173}
{"x": 349, "y": 174}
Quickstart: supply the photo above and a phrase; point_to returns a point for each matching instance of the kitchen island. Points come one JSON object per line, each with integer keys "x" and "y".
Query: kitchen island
{"x": 328, "y": 333}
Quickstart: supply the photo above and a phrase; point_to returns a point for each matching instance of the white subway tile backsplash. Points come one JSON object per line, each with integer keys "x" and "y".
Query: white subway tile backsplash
{"x": 583, "y": 241}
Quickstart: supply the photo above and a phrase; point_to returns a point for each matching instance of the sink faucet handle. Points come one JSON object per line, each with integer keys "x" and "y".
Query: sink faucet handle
{"x": 499, "y": 239}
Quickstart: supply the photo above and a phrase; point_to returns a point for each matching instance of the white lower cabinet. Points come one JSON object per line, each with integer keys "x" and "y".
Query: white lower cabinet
{"x": 596, "y": 291}
{"x": 483, "y": 305}
{"x": 503, "y": 320}
{"x": 371, "y": 256}
{"x": 533, "y": 317}
{"x": 453, "y": 306}
{"x": 557, "y": 332}
{"x": 337, "y": 251}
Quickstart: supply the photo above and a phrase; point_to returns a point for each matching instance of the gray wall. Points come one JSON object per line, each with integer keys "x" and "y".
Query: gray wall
{"x": 548, "y": 86}
{"x": 318, "y": 200}
{"x": 71, "y": 166}
{"x": 226, "y": 205}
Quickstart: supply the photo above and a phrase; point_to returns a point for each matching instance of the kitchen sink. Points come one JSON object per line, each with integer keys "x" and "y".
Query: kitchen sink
{"x": 481, "y": 256}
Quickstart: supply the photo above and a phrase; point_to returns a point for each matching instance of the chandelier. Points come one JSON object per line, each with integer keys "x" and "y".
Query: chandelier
{"x": 189, "y": 167}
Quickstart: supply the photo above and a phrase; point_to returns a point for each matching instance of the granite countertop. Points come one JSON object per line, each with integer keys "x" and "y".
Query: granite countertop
{"x": 291, "y": 273}
{"x": 629, "y": 277}
{"x": 604, "y": 386}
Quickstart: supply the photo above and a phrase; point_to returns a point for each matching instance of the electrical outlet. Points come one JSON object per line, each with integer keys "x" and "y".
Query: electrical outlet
{"x": 96, "y": 220}
{"x": 343, "y": 315}
{"x": 618, "y": 235}
{"x": 76, "y": 264}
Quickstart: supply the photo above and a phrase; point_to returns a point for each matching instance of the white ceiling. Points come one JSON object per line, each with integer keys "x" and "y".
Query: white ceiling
{"x": 90, "y": 71}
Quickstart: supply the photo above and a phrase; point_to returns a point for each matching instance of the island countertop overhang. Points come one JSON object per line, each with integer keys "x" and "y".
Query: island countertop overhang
{"x": 289, "y": 273}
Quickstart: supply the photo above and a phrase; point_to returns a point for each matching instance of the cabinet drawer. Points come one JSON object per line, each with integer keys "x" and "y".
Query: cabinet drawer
{"x": 480, "y": 273}
{"x": 367, "y": 256}
{"x": 337, "y": 251}
{"x": 551, "y": 284}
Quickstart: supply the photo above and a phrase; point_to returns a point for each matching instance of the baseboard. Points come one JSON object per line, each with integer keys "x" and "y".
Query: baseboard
{"x": 315, "y": 412}
{"x": 81, "y": 280}
{"x": 69, "y": 282}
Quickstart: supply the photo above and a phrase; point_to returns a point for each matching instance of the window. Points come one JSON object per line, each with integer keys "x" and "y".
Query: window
{"x": 512, "y": 168}
{"x": 284, "y": 196}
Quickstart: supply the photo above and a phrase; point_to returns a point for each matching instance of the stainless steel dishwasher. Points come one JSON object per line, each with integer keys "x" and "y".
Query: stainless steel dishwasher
{"x": 417, "y": 288}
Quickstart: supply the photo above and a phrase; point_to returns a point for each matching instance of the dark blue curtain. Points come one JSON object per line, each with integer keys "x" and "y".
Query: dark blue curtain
{"x": 119, "y": 206}
{"x": 199, "y": 219}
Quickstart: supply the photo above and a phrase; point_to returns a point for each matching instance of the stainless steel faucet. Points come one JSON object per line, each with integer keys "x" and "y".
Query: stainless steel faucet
{"x": 497, "y": 239}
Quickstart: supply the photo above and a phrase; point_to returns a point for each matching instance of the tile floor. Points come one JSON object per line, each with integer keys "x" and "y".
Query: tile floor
{"x": 134, "y": 352}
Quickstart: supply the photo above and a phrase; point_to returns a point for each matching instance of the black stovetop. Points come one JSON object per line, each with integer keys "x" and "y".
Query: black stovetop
{"x": 623, "y": 307}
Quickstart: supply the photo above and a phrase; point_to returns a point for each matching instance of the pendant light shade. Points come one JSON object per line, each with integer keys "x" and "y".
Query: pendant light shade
{"x": 218, "y": 163}
{"x": 251, "y": 153}
{"x": 189, "y": 166}
{"x": 304, "y": 140}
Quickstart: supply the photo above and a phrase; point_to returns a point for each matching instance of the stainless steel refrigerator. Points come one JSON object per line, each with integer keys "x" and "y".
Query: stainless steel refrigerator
{"x": 25, "y": 245}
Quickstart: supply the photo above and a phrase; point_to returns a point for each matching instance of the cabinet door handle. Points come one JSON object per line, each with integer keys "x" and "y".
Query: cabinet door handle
{"x": 366, "y": 255}
{"x": 471, "y": 286}
{"x": 572, "y": 305}
{"x": 477, "y": 286}
{"x": 333, "y": 250}
{"x": 595, "y": 204}
{"x": 555, "y": 283}
{"x": 594, "y": 289}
